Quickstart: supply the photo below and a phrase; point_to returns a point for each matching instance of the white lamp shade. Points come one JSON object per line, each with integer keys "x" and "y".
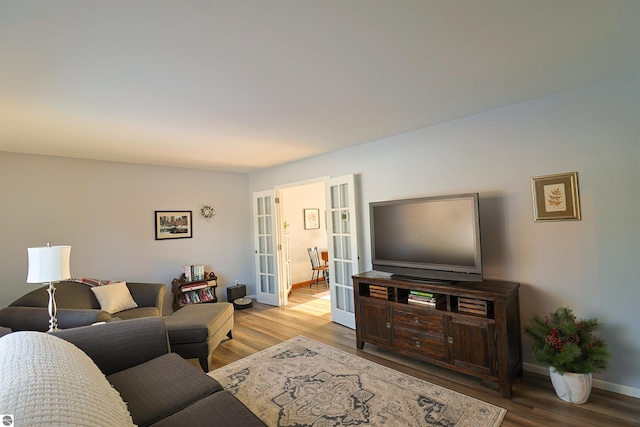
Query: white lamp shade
{"x": 49, "y": 264}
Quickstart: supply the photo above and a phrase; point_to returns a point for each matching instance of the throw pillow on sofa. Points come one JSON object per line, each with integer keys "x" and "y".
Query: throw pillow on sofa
{"x": 114, "y": 297}
{"x": 48, "y": 381}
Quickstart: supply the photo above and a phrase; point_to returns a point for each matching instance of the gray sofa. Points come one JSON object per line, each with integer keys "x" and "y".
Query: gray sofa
{"x": 160, "y": 388}
{"x": 77, "y": 306}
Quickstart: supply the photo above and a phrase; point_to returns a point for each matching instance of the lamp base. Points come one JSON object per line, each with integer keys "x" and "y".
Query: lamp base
{"x": 53, "y": 322}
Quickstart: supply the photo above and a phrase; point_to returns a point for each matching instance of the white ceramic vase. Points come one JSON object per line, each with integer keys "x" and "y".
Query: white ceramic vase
{"x": 571, "y": 387}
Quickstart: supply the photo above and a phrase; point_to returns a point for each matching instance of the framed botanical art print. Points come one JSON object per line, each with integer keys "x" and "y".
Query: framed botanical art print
{"x": 311, "y": 219}
{"x": 173, "y": 225}
{"x": 555, "y": 197}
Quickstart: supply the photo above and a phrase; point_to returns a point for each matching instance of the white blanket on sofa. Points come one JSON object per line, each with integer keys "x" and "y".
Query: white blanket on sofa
{"x": 45, "y": 380}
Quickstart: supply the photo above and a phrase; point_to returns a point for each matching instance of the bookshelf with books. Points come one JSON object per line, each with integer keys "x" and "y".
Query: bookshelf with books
{"x": 194, "y": 286}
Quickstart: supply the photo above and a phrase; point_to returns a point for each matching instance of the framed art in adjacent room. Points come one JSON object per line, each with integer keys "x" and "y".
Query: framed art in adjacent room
{"x": 173, "y": 225}
{"x": 555, "y": 197}
{"x": 311, "y": 219}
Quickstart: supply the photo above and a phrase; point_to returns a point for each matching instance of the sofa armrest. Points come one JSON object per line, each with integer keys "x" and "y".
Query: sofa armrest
{"x": 148, "y": 294}
{"x": 118, "y": 345}
{"x": 37, "y": 318}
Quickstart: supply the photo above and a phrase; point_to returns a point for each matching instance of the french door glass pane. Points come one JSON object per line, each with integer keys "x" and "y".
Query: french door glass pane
{"x": 268, "y": 227}
{"x": 267, "y": 205}
{"x": 337, "y": 248}
{"x": 263, "y": 284}
{"x": 340, "y": 297}
{"x": 272, "y": 285}
{"x": 270, "y": 265}
{"x": 346, "y": 247}
{"x": 335, "y": 197}
{"x": 344, "y": 196}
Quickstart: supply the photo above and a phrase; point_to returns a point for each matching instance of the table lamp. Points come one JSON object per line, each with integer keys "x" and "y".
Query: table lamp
{"x": 49, "y": 264}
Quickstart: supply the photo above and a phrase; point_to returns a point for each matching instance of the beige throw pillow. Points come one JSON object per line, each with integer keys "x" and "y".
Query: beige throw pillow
{"x": 114, "y": 297}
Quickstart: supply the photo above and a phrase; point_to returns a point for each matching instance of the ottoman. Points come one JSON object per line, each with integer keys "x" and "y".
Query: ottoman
{"x": 196, "y": 330}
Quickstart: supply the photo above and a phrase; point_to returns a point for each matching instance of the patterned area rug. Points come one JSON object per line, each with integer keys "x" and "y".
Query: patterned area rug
{"x": 301, "y": 382}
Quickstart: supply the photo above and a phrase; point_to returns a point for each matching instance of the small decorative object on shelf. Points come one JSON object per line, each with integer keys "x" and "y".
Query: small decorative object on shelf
{"x": 187, "y": 290}
{"x": 568, "y": 346}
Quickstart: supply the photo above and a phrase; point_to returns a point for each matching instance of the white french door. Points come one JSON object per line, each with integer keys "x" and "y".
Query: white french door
{"x": 342, "y": 233}
{"x": 264, "y": 217}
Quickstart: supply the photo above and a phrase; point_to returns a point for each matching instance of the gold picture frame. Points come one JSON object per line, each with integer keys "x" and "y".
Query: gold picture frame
{"x": 556, "y": 197}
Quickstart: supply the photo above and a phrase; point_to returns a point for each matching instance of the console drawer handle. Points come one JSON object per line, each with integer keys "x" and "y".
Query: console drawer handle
{"x": 417, "y": 343}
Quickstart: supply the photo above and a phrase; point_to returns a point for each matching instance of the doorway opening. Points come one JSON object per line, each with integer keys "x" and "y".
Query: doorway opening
{"x": 297, "y": 204}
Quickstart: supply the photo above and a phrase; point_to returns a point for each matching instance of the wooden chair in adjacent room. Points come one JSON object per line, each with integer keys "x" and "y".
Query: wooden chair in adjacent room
{"x": 317, "y": 268}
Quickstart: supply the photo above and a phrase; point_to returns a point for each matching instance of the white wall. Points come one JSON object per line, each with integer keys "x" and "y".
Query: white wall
{"x": 105, "y": 211}
{"x": 294, "y": 200}
{"x": 590, "y": 265}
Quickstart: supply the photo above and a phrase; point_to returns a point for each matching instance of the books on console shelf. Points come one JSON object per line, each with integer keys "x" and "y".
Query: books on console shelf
{"x": 423, "y": 303}
{"x": 424, "y": 294}
{"x": 426, "y": 301}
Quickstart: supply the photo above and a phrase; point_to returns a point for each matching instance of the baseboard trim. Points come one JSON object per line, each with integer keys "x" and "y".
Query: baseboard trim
{"x": 603, "y": 385}
{"x": 305, "y": 284}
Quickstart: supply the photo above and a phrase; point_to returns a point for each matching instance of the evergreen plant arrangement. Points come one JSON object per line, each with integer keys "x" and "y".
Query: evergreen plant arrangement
{"x": 568, "y": 344}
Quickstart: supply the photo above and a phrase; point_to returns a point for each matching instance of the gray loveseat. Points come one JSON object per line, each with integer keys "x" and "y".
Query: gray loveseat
{"x": 159, "y": 388}
{"x": 77, "y": 306}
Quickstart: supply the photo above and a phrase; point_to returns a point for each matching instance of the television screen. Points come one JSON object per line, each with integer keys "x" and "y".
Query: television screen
{"x": 428, "y": 238}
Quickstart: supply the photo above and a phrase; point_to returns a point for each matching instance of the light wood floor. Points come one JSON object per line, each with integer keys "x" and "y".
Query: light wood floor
{"x": 534, "y": 402}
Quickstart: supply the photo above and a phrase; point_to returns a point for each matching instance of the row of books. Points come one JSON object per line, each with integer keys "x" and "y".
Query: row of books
{"x": 193, "y": 286}
{"x": 201, "y": 295}
{"x": 425, "y": 298}
{"x": 193, "y": 272}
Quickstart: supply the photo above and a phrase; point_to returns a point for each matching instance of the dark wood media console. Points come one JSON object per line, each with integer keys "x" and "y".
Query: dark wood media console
{"x": 474, "y": 328}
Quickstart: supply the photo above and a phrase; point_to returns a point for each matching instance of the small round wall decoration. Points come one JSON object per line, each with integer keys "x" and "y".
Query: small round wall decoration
{"x": 207, "y": 212}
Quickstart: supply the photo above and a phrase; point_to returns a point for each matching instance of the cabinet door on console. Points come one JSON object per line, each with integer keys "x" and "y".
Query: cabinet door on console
{"x": 472, "y": 345}
{"x": 376, "y": 321}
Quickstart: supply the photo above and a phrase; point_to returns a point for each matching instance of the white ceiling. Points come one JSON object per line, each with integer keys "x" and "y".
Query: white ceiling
{"x": 240, "y": 85}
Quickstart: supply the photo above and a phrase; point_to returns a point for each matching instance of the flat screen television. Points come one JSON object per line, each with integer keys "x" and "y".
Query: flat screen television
{"x": 432, "y": 239}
